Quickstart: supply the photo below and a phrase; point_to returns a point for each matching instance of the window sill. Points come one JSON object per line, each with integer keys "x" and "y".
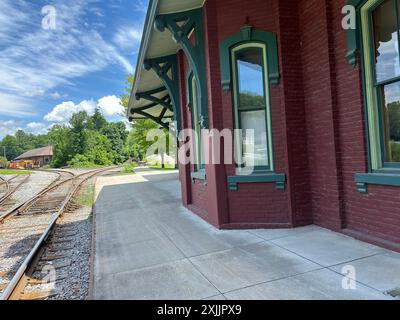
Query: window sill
{"x": 379, "y": 178}
{"x": 199, "y": 175}
{"x": 278, "y": 179}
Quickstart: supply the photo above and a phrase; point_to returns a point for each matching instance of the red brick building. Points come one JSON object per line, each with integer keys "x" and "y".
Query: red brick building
{"x": 321, "y": 88}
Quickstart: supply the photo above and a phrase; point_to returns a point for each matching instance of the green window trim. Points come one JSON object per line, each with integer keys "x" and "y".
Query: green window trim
{"x": 197, "y": 123}
{"x": 249, "y": 34}
{"x": 353, "y": 38}
{"x": 387, "y": 179}
{"x": 361, "y": 40}
{"x": 267, "y": 41}
{"x": 234, "y": 50}
{"x": 278, "y": 179}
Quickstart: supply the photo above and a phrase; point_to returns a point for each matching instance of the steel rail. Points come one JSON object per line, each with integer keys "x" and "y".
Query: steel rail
{"x": 28, "y": 203}
{"x": 5, "y": 181}
{"x": 9, "y": 193}
{"x": 21, "y": 270}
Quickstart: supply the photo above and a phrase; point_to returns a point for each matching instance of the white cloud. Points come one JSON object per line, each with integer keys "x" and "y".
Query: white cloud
{"x": 141, "y": 6}
{"x": 37, "y": 128}
{"x": 128, "y": 38}
{"x": 34, "y": 61}
{"x": 9, "y": 127}
{"x": 64, "y": 111}
{"x": 12, "y": 105}
{"x": 57, "y": 95}
{"x": 12, "y": 126}
{"x": 111, "y": 106}
{"x": 61, "y": 113}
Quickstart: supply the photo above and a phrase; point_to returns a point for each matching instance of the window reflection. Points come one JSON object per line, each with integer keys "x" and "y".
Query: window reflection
{"x": 250, "y": 75}
{"x": 251, "y": 107}
{"x": 255, "y": 147}
{"x": 391, "y": 121}
{"x": 386, "y": 41}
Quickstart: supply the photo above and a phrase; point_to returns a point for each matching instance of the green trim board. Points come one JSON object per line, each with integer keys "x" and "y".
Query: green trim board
{"x": 166, "y": 69}
{"x": 267, "y": 108}
{"x": 363, "y": 179}
{"x": 196, "y": 118}
{"x": 278, "y": 179}
{"x": 380, "y": 172}
{"x": 182, "y": 25}
{"x": 246, "y": 35}
{"x": 353, "y": 43}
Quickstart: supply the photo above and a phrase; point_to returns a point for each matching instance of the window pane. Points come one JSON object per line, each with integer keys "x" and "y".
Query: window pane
{"x": 255, "y": 146}
{"x": 391, "y": 121}
{"x": 386, "y": 41}
{"x": 196, "y": 125}
{"x": 250, "y": 68}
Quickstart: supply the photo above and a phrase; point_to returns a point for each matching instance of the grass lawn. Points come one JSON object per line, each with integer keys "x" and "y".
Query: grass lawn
{"x": 86, "y": 196}
{"x": 9, "y": 172}
{"x": 167, "y": 167}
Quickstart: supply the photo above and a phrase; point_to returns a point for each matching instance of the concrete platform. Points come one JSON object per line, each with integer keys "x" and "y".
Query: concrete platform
{"x": 147, "y": 246}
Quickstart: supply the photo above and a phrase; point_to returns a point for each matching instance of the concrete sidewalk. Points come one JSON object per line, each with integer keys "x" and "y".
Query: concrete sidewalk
{"x": 147, "y": 246}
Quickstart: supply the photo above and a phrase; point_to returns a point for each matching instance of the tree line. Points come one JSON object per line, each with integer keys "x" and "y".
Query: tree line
{"x": 86, "y": 140}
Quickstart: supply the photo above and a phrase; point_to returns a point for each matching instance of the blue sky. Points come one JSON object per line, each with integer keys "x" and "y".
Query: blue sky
{"x": 47, "y": 74}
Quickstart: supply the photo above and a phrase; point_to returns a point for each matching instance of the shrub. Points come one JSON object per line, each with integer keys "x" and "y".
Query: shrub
{"x": 80, "y": 161}
{"x": 129, "y": 167}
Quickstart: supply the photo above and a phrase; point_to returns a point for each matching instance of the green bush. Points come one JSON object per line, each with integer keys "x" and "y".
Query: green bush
{"x": 129, "y": 167}
{"x": 81, "y": 161}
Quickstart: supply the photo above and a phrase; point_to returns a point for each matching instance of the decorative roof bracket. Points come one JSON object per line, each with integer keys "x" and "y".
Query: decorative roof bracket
{"x": 182, "y": 26}
{"x": 166, "y": 68}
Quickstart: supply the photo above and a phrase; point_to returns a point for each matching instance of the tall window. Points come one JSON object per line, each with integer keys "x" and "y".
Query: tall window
{"x": 196, "y": 122}
{"x": 251, "y": 106}
{"x": 381, "y": 42}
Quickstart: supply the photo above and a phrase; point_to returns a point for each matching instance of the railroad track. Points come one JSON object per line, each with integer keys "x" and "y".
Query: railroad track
{"x": 12, "y": 186}
{"x": 11, "y": 204}
{"x": 24, "y": 232}
{"x": 3, "y": 186}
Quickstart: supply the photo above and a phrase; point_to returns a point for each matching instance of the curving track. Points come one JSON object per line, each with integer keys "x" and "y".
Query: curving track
{"x": 23, "y": 231}
{"x": 12, "y": 186}
{"x": 12, "y": 204}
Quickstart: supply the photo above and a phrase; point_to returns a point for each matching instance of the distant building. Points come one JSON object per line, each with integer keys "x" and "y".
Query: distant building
{"x": 40, "y": 157}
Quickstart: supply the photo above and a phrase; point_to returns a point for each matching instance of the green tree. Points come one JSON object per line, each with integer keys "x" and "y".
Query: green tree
{"x": 99, "y": 149}
{"x": 79, "y": 122}
{"x": 126, "y": 95}
{"x": 117, "y": 134}
{"x": 97, "y": 121}
{"x": 12, "y": 146}
{"x": 137, "y": 144}
{"x": 60, "y": 139}
{"x": 26, "y": 141}
{"x": 41, "y": 140}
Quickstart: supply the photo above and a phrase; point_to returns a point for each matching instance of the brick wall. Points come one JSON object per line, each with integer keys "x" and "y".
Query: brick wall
{"x": 336, "y": 132}
{"x": 317, "y": 124}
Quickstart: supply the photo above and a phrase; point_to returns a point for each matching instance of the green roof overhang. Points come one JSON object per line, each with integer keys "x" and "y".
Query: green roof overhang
{"x": 154, "y": 96}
